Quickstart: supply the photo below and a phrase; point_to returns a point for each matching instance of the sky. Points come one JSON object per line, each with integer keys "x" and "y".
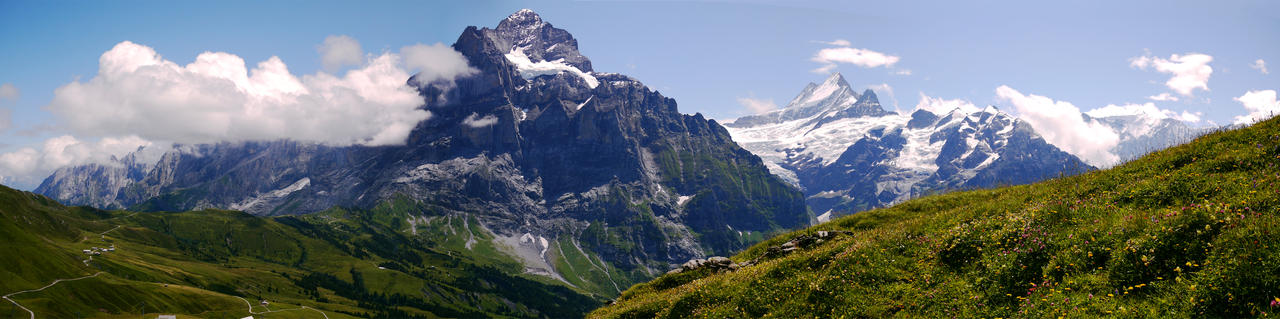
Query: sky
{"x": 79, "y": 81}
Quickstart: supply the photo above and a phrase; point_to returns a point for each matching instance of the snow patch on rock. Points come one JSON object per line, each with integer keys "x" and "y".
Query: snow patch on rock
{"x": 272, "y": 195}
{"x": 529, "y": 69}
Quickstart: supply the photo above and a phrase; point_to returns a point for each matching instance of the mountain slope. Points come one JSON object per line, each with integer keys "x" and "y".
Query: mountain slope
{"x": 345, "y": 263}
{"x": 542, "y": 150}
{"x": 1189, "y": 231}
{"x": 848, "y": 154}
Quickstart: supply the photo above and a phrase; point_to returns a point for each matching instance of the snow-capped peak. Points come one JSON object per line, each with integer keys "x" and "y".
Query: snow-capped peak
{"x": 834, "y": 84}
{"x": 524, "y": 17}
{"x": 831, "y": 140}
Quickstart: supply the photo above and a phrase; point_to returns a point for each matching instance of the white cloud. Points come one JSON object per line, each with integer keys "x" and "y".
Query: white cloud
{"x": 1148, "y": 110}
{"x": 1060, "y": 124}
{"x": 30, "y": 165}
{"x": 758, "y": 106}
{"x": 339, "y": 51}
{"x": 829, "y": 57}
{"x": 942, "y": 106}
{"x": 1260, "y": 104}
{"x": 436, "y": 62}
{"x": 475, "y": 122}
{"x": 1190, "y": 71}
{"x": 1260, "y": 65}
{"x": 903, "y": 72}
{"x": 216, "y": 98}
{"x": 1163, "y": 97}
{"x": 8, "y": 92}
{"x": 1188, "y": 117}
{"x": 836, "y": 42}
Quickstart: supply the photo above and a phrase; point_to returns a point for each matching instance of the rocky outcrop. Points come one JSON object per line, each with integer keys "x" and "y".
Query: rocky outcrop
{"x": 722, "y": 264}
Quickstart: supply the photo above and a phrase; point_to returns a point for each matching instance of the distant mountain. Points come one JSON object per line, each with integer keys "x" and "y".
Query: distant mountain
{"x": 105, "y": 181}
{"x": 555, "y": 159}
{"x": 1142, "y": 133}
{"x": 849, "y": 154}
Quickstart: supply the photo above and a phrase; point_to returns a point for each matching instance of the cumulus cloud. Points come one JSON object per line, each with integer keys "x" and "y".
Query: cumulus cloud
{"x": 1190, "y": 71}
{"x": 758, "y": 106}
{"x": 1148, "y": 110}
{"x": 860, "y": 57}
{"x": 338, "y": 51}
{"x": 217, "y": 98}
{"x": 1166, "y": 97}
{"x": 29, "y": 165}
{"x": 1260, "y": 104}
{"x": 830, "y": 57}
{"x": 1260, "y": 65}
{"x": 436, "y": 62}
{"x": 1060, "y": 124}
{"x": 942, "y": 106}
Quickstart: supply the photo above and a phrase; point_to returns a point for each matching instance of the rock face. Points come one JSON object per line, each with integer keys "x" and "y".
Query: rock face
{"x": 848, "y": 154}
{"x": 545, "y": 151}
{"x": 106, "y": 181}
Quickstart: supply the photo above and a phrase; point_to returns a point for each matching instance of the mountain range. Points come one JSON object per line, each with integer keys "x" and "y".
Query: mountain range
{"x": 537, "y": 149}
{"x": 849, "y": 154}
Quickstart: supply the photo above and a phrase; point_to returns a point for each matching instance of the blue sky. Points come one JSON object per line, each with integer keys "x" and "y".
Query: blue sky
{"x": 706, "y": 55}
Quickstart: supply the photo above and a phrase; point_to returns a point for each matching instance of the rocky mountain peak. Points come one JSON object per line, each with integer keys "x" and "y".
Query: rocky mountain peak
{"x": 526, "y": 32}
{"x": 869, "y": 96}
{"x": 835, "y": 80}
{"x": 522, "y": 18}
{"x": 834, "y": 86}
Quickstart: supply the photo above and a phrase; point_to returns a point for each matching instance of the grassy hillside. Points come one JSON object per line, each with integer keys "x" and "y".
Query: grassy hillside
{"x": 1190, "y": 231}
{"x": 215, "y": 264}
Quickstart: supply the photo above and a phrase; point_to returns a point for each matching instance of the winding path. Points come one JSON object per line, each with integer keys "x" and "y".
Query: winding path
{"x": 55, "y": 282}
{"x": 104, "y": 234}
{"x": 250, "y": 305}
